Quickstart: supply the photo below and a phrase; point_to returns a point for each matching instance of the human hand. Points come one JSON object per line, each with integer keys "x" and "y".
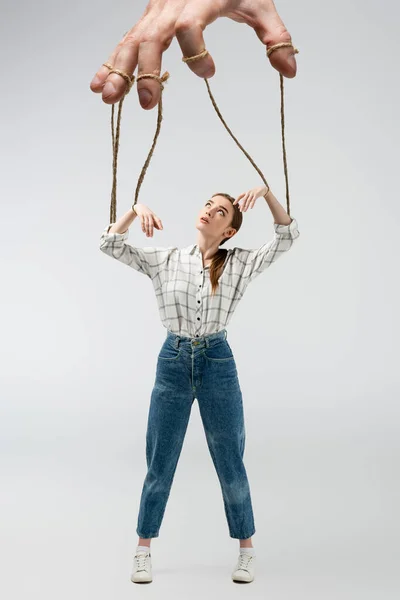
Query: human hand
{"x": 143, "y": 45}
{"x": 148, "y": 219}
{"x": 249, "y": 198}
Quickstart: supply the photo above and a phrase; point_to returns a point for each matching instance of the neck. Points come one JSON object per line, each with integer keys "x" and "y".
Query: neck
{"x": 208, "y": 250}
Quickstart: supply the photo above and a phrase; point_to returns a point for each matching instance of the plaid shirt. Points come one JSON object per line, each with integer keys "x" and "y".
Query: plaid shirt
{"x": 182, "y": 285}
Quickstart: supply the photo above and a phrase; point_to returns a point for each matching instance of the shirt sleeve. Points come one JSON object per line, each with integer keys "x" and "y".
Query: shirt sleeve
{"x": 254, "y": 262}
{"x": 148, "y": 260}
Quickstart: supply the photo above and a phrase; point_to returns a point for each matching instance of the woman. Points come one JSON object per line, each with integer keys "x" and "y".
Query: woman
{"x": 198, "y": 288}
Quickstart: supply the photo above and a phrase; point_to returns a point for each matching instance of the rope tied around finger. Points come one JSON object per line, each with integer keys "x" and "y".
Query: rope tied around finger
{"x": 115, "y": 135}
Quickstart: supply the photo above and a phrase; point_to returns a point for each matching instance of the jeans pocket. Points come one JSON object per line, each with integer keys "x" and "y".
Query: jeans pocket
{"x": 220, "y": 352}
{"x": 169, "y": 352}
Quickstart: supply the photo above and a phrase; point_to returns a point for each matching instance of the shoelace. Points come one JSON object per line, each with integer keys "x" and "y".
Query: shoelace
{"x": 244, "y": 560}
{"x": 141, "y": 560}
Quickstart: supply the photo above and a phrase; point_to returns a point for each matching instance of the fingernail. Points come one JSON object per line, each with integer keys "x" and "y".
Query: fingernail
{"x": 292, "y": 61}
{"x": 96, "y": 80}
{"x": 145, "y": 97}
{"x": 108, "y": 89}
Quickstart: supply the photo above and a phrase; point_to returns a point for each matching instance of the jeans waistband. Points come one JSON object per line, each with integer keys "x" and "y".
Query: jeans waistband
{"x": 205, "y": 340}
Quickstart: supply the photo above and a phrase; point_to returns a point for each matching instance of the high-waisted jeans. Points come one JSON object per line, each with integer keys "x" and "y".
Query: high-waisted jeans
{"x": 202, "y": 368}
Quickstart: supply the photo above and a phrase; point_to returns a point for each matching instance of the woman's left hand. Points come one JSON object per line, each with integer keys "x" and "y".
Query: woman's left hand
{"x": 250, "y": 197}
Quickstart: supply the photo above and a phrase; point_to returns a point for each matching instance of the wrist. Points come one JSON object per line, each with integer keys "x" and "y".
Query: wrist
{"x": 266, "y": 191}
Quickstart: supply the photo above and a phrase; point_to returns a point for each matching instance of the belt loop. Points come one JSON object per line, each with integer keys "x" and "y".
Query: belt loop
{"x": 226, "y": 333}
{"x": 176, "y": 342}
{"x": 207, "y": 341}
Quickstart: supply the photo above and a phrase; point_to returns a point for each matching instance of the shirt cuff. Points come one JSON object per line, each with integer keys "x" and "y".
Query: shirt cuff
{"x": 122, "y": 236}
{"x": 291, "y": 227}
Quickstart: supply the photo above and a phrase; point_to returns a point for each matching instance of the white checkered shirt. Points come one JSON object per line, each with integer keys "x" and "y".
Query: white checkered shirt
{"x": 182, "y": 285}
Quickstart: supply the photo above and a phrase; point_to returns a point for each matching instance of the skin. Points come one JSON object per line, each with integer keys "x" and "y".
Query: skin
{"x": 143, "y": 45}
{"x": 219, "y": 212}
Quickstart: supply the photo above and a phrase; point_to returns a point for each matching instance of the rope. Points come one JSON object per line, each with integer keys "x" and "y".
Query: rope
{"x": 116, "y": 135}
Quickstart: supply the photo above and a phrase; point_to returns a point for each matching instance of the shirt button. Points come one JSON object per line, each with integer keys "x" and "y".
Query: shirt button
{"x": 201, "y": 272}
{"x": 198, "y": 318}
{"x": 197, "y": 335}
{"x": 198, "y": 301}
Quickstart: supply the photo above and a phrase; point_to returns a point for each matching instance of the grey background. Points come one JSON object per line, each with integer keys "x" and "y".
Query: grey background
{"x": 316, "y": 337}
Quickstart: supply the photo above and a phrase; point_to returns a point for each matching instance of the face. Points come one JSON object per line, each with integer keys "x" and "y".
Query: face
{"x": 219, "y": 212}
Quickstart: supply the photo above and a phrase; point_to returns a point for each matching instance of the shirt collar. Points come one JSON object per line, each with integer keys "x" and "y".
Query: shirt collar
{"x": 193, "y": 248}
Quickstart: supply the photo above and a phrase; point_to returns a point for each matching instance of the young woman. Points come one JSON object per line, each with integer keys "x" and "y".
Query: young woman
{"x": 198, "y": 288}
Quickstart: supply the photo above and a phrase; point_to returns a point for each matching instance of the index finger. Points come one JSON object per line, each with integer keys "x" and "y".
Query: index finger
{"x": 99, "y": 80}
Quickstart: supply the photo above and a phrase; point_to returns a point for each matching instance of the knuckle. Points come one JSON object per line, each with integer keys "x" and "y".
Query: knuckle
{"x": 131, "y": 41}
{"x": 150, "y": 35}
{"x": 158, "y": 30}
{"x": 184, "y": 24}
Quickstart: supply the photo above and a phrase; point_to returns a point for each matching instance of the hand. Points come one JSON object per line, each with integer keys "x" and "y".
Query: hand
{"x": 148, "y": 219}
{"x": 143, "y": 45}
{"x": 250, "y": 197}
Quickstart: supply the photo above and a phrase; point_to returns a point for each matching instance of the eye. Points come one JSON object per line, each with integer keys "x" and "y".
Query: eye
{"x": 219, "y": 210}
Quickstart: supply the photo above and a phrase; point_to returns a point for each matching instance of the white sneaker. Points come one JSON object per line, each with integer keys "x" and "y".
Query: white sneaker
{"x": 245, "y": 568}
{"x": 141, "y": 572}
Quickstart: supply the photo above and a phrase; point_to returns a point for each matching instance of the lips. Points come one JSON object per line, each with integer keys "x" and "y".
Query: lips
{"x": 204, "y": 220}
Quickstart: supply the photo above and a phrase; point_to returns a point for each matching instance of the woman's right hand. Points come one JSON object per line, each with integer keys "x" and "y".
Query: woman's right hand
{"x": 148, "y": 219}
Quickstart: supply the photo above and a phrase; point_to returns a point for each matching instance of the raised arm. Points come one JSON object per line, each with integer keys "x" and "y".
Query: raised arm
{"x": 148, "y": 260}
{"x": 123, "y": 223}
{"x": 252, "y": 262}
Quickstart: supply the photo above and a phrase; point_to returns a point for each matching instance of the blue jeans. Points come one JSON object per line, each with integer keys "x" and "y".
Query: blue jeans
{"x": 202, "y": 368}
